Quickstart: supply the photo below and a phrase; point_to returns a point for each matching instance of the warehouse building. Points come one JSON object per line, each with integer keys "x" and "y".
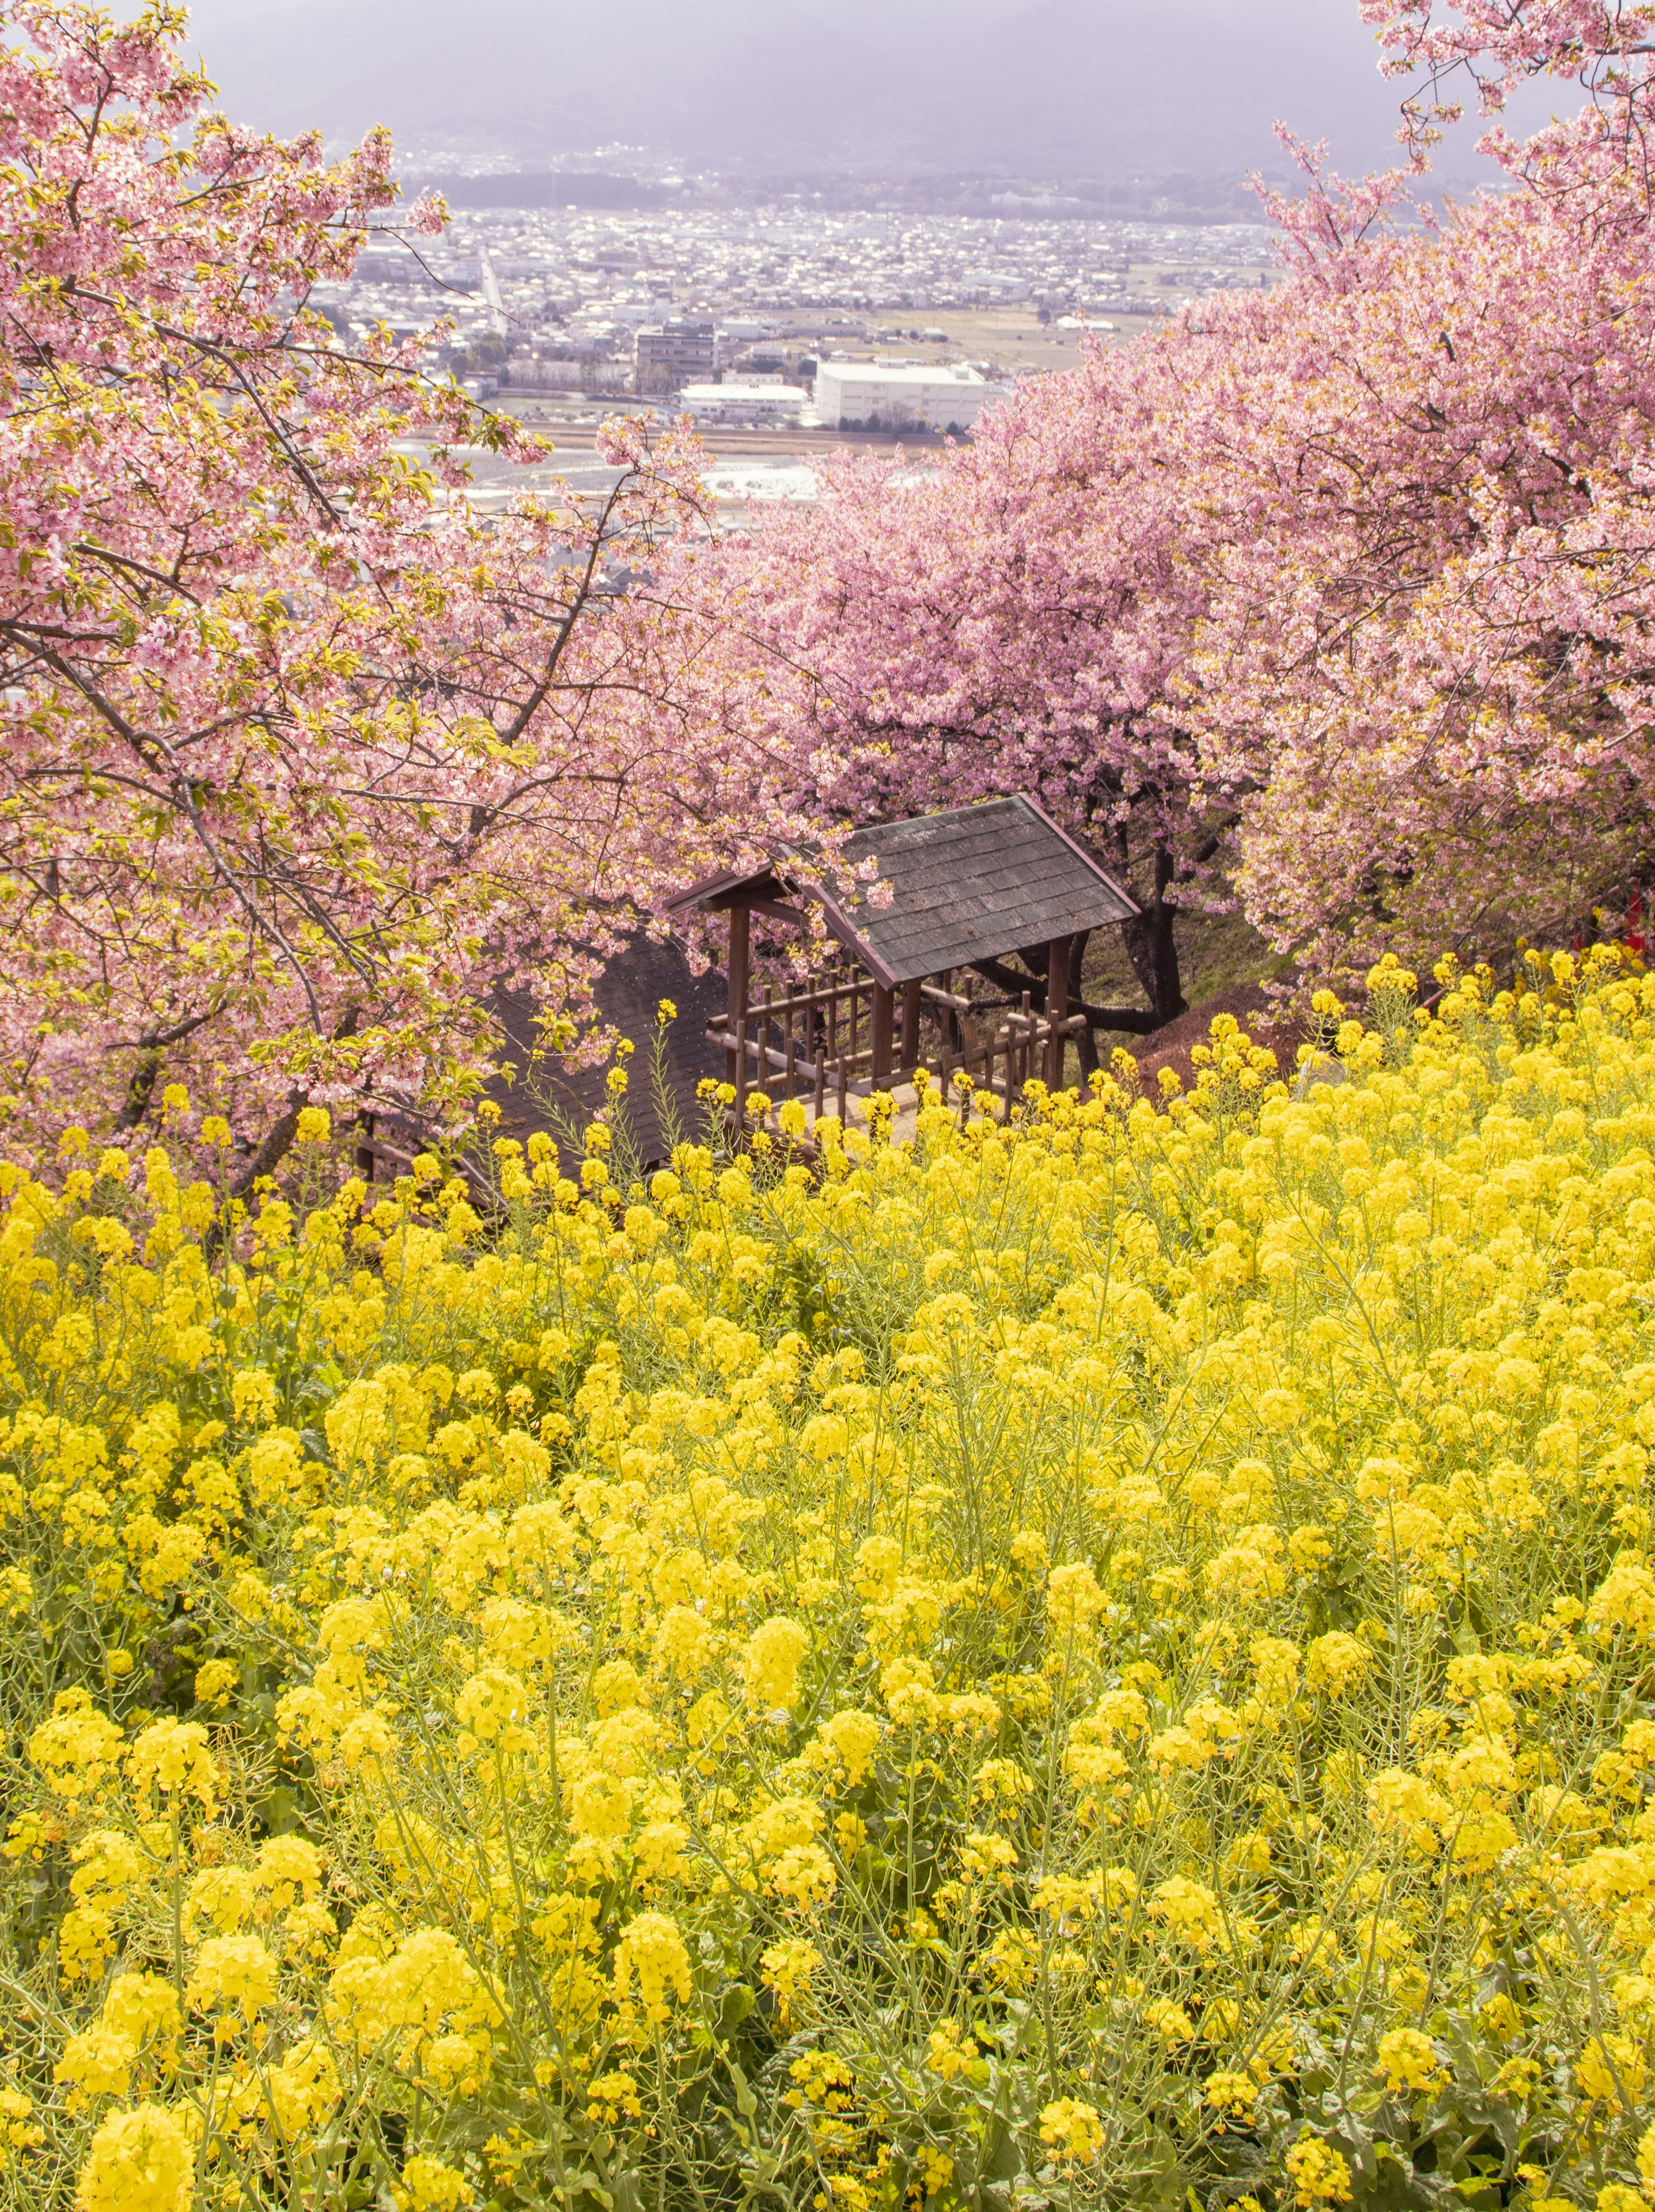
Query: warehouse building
{"x": 752, "y": 405}
{"x": 878, "y": 395}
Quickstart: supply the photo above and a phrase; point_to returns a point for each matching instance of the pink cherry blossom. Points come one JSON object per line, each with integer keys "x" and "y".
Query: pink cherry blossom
{"x": 1335, "y": 600}
{"x": 299, "y": 756}
{"x": 1488, "y": 47}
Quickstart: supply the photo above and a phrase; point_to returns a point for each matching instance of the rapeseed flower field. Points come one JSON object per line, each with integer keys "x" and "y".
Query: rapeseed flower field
{"x": 1107, "y": 1658}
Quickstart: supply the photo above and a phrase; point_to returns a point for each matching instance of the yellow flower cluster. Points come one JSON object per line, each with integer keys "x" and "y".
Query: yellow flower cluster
{"x": 1102, "y": 1654}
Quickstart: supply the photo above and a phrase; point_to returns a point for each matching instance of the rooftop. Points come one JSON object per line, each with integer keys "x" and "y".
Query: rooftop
{"x": 730, "y": 394}
{"x": 969, "y": 883}
{"x": 896, "y": 372}
{"x": 974, "y": 883}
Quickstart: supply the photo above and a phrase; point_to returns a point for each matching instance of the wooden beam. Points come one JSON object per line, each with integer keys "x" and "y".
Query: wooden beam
{"x": 884, "y": 1026}
{"x": 1056, "y": 1008}
{"x": 755, "y": 904}
{"x": 911, "y": 1024}
{"x": 767, "y": 886}
{"x": 736, "y": 1058}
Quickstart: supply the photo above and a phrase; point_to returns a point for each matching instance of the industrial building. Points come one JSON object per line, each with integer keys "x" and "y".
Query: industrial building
{"x": 877, "y": 395}
{"x": 748, "y": 405}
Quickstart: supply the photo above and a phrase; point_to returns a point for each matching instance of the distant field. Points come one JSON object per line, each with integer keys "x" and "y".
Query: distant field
{"x": 1012, "y": 337}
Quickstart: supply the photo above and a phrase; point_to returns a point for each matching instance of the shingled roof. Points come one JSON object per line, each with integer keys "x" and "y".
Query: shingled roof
{"x": 966, "y": 885}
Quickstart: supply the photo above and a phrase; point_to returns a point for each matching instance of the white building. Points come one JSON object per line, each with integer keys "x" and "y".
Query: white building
{"x": 891, "y": 396}
{"x": 746, "y": 404}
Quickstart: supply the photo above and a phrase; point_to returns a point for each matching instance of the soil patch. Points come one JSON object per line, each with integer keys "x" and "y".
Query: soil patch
{"x": 1253, "y": 1008}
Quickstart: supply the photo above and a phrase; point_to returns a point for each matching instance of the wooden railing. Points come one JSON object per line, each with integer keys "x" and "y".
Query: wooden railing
{"x": 835, "y": 1038}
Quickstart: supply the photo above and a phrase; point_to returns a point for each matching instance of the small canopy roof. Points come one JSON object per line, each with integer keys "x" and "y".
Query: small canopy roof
{"x": 968, "y": 885}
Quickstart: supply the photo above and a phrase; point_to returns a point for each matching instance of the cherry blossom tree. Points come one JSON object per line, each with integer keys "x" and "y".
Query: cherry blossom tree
{"x": 1342, "y": 589}
{"x": 299, "y": 756}
{"x": 1425, "y": 670}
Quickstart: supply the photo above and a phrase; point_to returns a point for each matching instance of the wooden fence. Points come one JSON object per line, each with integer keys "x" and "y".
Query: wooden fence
{"x": 835, "y": 1037}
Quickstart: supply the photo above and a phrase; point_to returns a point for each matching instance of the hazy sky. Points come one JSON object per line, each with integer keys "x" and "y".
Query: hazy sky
{"x": 1046, "y": 86}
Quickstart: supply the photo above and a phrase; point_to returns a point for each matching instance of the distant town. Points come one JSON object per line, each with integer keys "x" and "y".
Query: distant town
{"x": 781, "y": 327}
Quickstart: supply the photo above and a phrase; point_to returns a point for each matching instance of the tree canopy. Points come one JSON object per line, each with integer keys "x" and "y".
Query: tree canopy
{"x": 1332, "y": 600}
{"x": 298, "y": 756}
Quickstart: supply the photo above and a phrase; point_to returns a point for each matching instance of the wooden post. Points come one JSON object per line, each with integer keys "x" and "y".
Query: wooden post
{"x": 735, "y": 1058}
{"x": 884, "y": 1033}
{"x": 840, "y": 1045}
{"x": 1057, "y": 1009}
{"x": 911, "y": 1026}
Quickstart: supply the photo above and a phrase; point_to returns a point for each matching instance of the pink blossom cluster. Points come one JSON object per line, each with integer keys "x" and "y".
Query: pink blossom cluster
{"x": 299, "y": 756}
{"x": 1336, "y": 600}
{"x": 1493, "y": 46}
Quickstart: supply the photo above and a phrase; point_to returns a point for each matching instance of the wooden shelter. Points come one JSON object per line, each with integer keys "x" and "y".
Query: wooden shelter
{"x": 973, "y": 884}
